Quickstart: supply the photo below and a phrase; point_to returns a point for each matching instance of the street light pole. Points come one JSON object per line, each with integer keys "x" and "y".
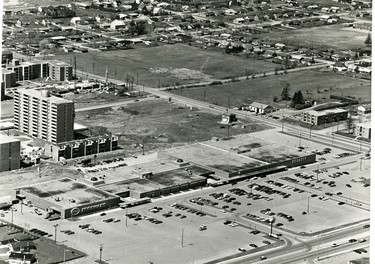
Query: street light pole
{"x": 12, "y": 214}
{"x": 100, "y": 256}
{"x": 182, "y": 237}
{"x": 55, "y": 226}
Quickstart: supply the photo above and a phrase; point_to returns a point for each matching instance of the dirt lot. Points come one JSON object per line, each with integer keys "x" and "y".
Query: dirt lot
{"x": 170, "y": 64}
{"x": 333, "y": 36}
{"x": 264, "y": 89}
{"x": 158, "y": 123}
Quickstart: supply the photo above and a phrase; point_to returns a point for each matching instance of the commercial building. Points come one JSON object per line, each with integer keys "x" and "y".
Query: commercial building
{"x": 324, "y": 117}
{"x": 9, "y": 153}
{"x": 81, "y": 148}
{"x": 362, "y": 130}
{"x": 40, "y": 115}
{"x": 241, "y": 155}
{"x": 60, "y": 71}
{"x": 67, "y": 197}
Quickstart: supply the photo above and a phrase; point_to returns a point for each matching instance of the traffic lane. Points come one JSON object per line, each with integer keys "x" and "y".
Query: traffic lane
{"x": 328, "y": 250}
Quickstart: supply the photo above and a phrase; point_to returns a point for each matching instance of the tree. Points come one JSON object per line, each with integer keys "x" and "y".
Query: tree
{"x": 297, "y": 99}
{"x": 285, "y": 95}
{"x": 368, "y": 40}
{"x": 275, "y": 98}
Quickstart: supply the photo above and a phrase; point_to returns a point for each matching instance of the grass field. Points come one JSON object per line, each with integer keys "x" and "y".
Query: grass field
{"x": 158, "y": 123}
{"x": 264, "y": 89}
{"x": 333, "y": 36}
{"x": 169, "y": 64}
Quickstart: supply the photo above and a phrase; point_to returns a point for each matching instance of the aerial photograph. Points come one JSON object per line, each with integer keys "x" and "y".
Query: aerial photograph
{"x": 185, "y": 131}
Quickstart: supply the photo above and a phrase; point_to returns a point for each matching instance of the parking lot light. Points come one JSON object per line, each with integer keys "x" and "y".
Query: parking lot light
{"x": 55, "y": 226}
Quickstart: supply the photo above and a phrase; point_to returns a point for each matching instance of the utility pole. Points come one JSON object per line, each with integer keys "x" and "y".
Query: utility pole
{"x": 93, "y": 68}
{"x": 75, "y": 71}
{"x": 12, "y": 214}
{"x": 106, "y": 75}
{"x": 317, "y": 172}
{"x": 300, "y": 139}
{"x": 137, "y": 78}
{"x": 100, "y": 252}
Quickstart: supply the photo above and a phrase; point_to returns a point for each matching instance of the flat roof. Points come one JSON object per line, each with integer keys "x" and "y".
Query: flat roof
{"x": 134, "y": 171}
{"x": 326, "y": 112}
{"x": 66, "y": 189}
{"x": 157, "y": 180}
{"x": 236, "y": 153}
{"x": 38, "y": 94}
{"x": 6, "y": 139}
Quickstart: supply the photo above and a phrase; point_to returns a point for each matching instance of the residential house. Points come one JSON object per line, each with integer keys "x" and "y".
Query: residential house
{"x": 364, "y": 109}
{"x": 117, "y": 24}
{"x": 260, "y": 108}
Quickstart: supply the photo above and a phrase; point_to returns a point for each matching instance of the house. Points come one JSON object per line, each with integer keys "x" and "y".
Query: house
{"x": 260, "y": 108}
{"x": 117, "y": 24}
{"x": 229, "y": 12}
{"x": 75, "y": 20}
{"x": 228, "y": 118}
{"x": 364, "y": 109}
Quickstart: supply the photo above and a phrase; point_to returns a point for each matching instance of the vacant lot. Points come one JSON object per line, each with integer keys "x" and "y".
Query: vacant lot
{"x": 333, "y": 36}
{"x": 157, "y": 124}
{"x": 168, "y": 64}
{"x": 317, "y": 85}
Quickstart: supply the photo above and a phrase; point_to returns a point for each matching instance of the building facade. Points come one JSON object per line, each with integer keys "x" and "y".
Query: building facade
{"x": 323, "y": 117}
{"x": 81, "y": 148}
{"x": 42, "y": 116}
{"x": 9, "y": 153}
{"x": 363, "y": 130}
{"x": 24, "y": 71}
{"x": 60, "y": 71}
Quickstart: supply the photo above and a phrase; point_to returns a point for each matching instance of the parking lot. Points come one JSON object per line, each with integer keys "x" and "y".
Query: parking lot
{"x": 228, "y": 220}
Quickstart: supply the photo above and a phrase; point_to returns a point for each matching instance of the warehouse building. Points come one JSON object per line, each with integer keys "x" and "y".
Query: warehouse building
{"x": 9, "y": 153}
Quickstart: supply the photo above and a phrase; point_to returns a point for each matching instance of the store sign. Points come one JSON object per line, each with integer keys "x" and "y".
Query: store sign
{"x": 89, "y": 208}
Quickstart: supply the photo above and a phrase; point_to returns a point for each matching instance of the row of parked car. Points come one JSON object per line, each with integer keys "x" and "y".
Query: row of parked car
{"x": 187, "y": 209}
{"x": 39, "y": 232}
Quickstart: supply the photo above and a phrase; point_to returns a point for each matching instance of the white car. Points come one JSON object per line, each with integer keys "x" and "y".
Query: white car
{"x": 334, "y": 245}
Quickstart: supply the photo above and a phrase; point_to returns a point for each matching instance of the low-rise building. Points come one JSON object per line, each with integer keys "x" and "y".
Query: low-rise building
{"x": 364, "y": 109}
{"x": 260, "y": 108}
{"x": 363, "y": 130}
{"x": 81, "y": 148}
{"x": 324, "y": 116}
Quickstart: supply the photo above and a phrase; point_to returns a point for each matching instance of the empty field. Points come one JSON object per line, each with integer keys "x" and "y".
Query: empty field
{"x": 312, "y": 84}
{"x": 167, "y": 65}
{"x": 333, "y": 36}
{"x": 158, "y": 124}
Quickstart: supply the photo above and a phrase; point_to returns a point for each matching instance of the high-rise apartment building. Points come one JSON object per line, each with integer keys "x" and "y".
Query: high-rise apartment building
{"x": 40, "y": 115}
{"x": 60, "y": 71}
{"x": 9, "y": 153}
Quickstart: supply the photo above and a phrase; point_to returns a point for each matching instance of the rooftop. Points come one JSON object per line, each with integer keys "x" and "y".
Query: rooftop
{"x": 67, "y": 189}
{"x": 38, "y": 94}
{"x": 6, "y": 139}
{"x": 326, "y": 112}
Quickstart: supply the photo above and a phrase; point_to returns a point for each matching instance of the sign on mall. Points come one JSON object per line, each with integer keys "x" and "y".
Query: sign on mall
{"x": 85, "y": 209}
